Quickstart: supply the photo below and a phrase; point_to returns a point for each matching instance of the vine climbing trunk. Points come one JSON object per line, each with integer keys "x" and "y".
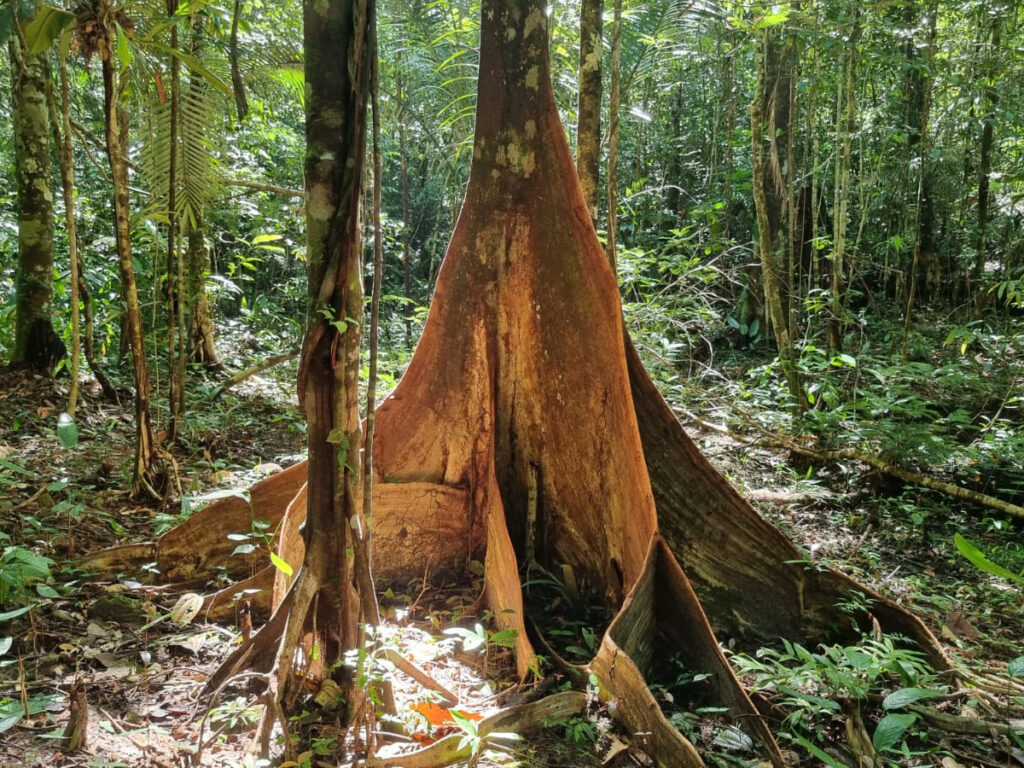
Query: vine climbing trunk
{"x": 333, "y": 584}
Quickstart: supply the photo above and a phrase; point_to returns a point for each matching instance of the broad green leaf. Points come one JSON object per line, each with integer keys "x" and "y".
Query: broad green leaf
{"x": 506, "y": 638}
{"x": 890, "y": 730}
{"x": 265, "y": 238}
{"x": 905, "y": 696}
{"x": 5, "y": 644}
{"x": 10, "y": 719}
{"x": 67, "y": 430}
{"x": 244, "y": 549}
{"x": 1016, "y": 667}
{"x": 45, "y": 27}
{"x": 977, "y": 557}
{"x": 281, "y": 565}
{"x": 46, "y": 590}
{"x": 733, "y": 738}
{"x": 16, "y": 612}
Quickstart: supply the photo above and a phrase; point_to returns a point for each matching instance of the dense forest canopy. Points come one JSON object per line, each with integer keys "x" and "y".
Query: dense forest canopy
{"x": 813, "y": 212}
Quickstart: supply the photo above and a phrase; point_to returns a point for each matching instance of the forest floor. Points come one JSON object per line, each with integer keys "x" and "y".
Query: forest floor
{"x": 144, "y": 677}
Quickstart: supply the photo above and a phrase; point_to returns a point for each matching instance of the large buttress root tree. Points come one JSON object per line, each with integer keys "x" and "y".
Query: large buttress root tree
{"x": 526, "y": 432}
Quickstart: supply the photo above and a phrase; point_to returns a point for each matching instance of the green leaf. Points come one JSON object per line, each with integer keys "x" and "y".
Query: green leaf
{"x": 978, "y": 559}
{"x": 67, "y": 430}
{"x": 281, "y": 565}
{"x": 338, "y": 436}
{"x": 733, "y": 738}
{"x": 124, "y": 51}
{"x": 265, "y": 238}
{"x": 244, "y": 549}
{"x": 16, "y": 612}
{"x": 890, "y": 730}
{"x": 194, "y": 65}
{"x": 5, "y": 644}
{"x": 506, "y": 638}
{"x": 45, "y": 27}
{"x": 10, "y": 719}
{"x": 16, "y": 468}
{"x": 1016, "y": 667}
{"x": 905, "y": 696}
{"x": 46, "y": 590}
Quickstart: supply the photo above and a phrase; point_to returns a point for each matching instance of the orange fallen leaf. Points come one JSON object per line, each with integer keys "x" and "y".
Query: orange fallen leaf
{"x": 437, "y": 715}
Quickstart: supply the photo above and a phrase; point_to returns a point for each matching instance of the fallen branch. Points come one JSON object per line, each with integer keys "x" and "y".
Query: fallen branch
{"x": 404, "y": 665}
{"x": 906, "y": 475}
{"x": 271, "y": 188}
{"x": 967, "y": 725}
{"x": 240, "y": 376}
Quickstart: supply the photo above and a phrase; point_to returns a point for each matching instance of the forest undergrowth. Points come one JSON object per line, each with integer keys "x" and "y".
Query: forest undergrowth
{"x": 64, "y": 497}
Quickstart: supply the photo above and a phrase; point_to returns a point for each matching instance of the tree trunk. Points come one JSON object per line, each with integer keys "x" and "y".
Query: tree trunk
{"x": 588, "y": 122}
{"x": 407, "y": 307}
{"x": 845, "y": 125}
{"x": 922, "y": 207}
{"x": 990, "y": 99}
{"x": 116, "y": 137}
{"x": 36, "y": 344}
{"x": 175, "y": 342}
{"x": 613, "y": 136}
{"x": 237, "y": 81}
{"x": 768, "y": 185}
{"x": 334, "y": 547}
{"x": 200, "y": 324}
{"x": 61, "y": 125}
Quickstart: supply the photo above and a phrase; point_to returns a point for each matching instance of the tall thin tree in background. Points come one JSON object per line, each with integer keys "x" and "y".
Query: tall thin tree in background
{"x": 770, "y": 109}
{"x": 104, "y": 24}
{"x": 613, "y": 133}
{"x": 588, "y": 120}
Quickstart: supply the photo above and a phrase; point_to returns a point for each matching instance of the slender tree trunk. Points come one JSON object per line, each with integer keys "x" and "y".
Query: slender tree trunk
{"x": 200, "y": 323}
{"x": 200, "y": 328}
{"x": 407, "y": 308}
{"x": 61, "y": 124}
{"x": 237, "y": 81}
{"x": 338, "y": 66}
{"x": 116, "y": 134}
{"x": 729, "y": 97}
{"x": 613, "y": 135}
{"x": 920, "y": 202}
{"x": 761, "y": 106}
{"x": 36, "y": 344}
{"x": 845, "y": 126}
{"x": 175, "y": 343}
{"x": 588, "y": 122}
{"x": 990, "y": 99}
